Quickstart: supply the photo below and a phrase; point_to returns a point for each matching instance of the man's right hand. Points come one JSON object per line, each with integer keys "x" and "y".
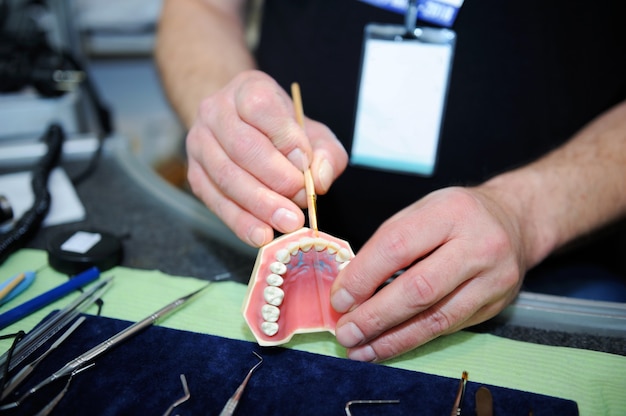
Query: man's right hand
{"x": 247, "y": 153}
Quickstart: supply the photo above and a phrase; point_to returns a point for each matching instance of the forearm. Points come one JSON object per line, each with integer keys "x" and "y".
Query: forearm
{"x": 571, "y": 191}
{"x": 200, "y": 46}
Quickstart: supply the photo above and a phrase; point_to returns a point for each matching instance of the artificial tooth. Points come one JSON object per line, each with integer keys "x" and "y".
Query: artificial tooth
{"x": 278, "y": 267}
{"x": 306, "y": 244}
{"x": 333, "y": 247}
{"x": 273, "y": 295}
{"x": 320, "y": 244}
{"x": 343, "y": 255}
{"x": 269, "y": 328}
{"x": 274, "y": 280}
{"x": 283, "y": 256}
{"x": 293, "y": 247}
{"x": 343, "y": 265}
{"x": 270, "y": 313}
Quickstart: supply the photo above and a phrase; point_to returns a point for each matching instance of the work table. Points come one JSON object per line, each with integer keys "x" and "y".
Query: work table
{"x": 154, "y": 237}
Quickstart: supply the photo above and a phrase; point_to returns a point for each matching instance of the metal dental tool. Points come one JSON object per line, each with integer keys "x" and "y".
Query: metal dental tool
{"x": 38, "y": 336}
{"x": 460, "y": 393}
{"x": 183, "y": 399}
{"x": 50, "y": 406}
{"x": 86, "y": 358}
{"x": 232, "y": 403}
{"x": 24, "y": 372}
{"x": 352, "y": 402}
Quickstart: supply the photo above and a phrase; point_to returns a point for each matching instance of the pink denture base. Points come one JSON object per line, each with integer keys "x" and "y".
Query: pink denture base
{"x": 302, "y": 265}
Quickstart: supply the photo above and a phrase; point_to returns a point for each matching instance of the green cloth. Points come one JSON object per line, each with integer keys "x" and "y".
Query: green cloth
{"x": 596, "y": 381}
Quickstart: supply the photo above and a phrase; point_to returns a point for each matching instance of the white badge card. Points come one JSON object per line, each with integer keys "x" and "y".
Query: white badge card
{"x": 401, "y": 98}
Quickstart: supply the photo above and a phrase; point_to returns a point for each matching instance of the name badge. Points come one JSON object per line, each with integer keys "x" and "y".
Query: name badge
{"x": 401, "y": 98}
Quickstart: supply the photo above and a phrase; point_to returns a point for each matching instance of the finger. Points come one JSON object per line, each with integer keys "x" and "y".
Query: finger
{"x": 247, "y": 147}
{"x": 227, "y": 181}
{"x": 244, "y": 225}
{"x": 329, "y": 156}
{"x": 394, "y": 246}
{"x": 262, "y": 103}
{"x": 416, "y": 290}
{"x": 454, "y": 312}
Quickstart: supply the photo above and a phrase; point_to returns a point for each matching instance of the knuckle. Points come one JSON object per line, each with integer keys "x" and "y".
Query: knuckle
{"x": 255, "y": 99}
{"x": 388, "y": 347}
{"x": 373, "y": 323}
{"x": 244, "y": 147}
{"x": 395, "y": 244}
{"x": 437, "y": 322}
{"x": 260, "y": 202}
{"x": 420, "y": 292}
{"x": 223, "y": 178}
{"x": 207, "y": 108}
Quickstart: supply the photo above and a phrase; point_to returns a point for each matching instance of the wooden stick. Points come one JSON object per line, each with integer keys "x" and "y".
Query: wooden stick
{"x": 309, "y": 185}
{"x": 11, "y": 285}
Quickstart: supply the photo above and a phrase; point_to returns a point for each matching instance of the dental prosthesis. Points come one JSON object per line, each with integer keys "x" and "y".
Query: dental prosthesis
{"x": 289, "y": 289}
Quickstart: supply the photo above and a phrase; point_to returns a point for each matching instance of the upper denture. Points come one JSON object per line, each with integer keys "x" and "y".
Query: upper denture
{"x": 289, "y": 289}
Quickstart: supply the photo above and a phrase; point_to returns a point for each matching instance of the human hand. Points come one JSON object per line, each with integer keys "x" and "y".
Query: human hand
{"x": 247, "y": 153}
{"x": 464, "y": 263}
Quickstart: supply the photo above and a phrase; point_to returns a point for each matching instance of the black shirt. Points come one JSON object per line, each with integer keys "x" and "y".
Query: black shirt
{"x": 526, "y": 76}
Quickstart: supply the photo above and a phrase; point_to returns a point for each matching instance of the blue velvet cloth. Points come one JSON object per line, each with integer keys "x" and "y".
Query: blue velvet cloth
{"x": 142, "y": 377}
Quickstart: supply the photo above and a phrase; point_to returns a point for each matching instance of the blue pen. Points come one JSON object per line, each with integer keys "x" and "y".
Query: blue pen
{"x": 33, "y": 305}
{"x": 29, "y": 278}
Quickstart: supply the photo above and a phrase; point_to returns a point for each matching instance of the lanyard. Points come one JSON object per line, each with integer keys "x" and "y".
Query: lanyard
{"x": 439, "y": 12}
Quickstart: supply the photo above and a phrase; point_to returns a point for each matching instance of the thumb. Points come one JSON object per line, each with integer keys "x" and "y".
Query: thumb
{"x": 329, "y": 156}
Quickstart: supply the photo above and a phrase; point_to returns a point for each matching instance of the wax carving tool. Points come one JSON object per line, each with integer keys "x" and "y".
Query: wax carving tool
{"x": 232, "y": 403}
{"x": 86, "y": 358}
{"x": 308, "y": 178}
{"x": 460, "y": 393}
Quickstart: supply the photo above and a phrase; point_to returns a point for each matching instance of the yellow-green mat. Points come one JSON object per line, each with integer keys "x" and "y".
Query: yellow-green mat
{"x": 596, "y": 381}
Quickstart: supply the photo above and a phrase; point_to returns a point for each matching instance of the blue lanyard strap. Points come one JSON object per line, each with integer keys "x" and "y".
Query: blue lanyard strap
{"x": 439, "y": 12}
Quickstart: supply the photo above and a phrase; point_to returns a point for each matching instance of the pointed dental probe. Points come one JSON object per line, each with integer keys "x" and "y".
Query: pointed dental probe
{"x": 309, "y": 185}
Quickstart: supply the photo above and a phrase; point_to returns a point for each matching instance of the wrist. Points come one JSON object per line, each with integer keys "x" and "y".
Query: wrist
{"x": 526, "y": 211}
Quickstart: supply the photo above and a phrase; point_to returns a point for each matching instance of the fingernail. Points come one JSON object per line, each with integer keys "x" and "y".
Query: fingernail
{"x": 325, "y": 174}
{"x": 349, "y": 335}
{"x": 298, "y": 159}
{"x": 365, "y": 353}
{"x": 342, "y": 301}
{"x": 285, "y": 220}
{"x": 257, "y": 236}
